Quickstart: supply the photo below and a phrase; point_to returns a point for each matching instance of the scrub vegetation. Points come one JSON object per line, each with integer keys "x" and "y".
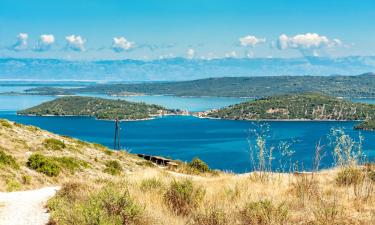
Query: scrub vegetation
{"x": 309, "y": 106}
{"x": 96, "y": 107}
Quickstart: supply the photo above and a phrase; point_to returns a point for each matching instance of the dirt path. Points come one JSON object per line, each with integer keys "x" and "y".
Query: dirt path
{"x": 25, "y": 207}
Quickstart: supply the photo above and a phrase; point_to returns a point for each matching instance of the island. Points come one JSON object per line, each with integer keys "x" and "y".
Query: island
{"x": 99, "y": 108}
{"x": 357, "y": 86}
{"x": 366, "y": 125}
{"x": 308, "y": 106}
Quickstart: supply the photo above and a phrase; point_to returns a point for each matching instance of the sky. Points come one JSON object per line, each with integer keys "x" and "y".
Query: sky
{"x": 196, "y": 29}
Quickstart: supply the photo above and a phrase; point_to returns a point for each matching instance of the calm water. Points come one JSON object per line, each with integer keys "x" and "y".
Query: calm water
{"x": 222, "y": 144}
{"x": 364, "y": 100}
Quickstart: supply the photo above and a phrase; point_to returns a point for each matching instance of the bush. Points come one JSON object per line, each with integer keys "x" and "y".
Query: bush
{"x": 54, "y": 144}
{"x": 70, "y": 163}
{"x": 13, "y": 185}
{"x": 264, "y": 213}
{"x": 73, "y": 191}
{"x": 349, "y": 176}
{"x": 305, "y": 187}
{"x": 113, "y": 167}
{"x": 108, "y": 152}
{"x": 212, "y": 216}
{"x": 182, "y": 197}
{"x": 26, "y": 179}
{"x": 5, "y": 123}
{"x": 151, "y": 184}
{"x": 145, "y": 163}
{"x": 8, "y": 160}
{"x": 199, "y": 165}
{"x": 328, "y": 213}
{"x": 111, "y": 205}
{"x": 43, "y": 164}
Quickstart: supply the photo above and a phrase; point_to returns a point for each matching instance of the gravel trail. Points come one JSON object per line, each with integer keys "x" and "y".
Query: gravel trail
{"x": 25, "y": 207}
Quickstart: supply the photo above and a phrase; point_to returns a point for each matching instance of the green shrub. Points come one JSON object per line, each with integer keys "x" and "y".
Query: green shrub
{"x": 111, "y": 205}
{"x": 54, "y": 144}
{"x": 113, "y": 167}
{"x": 212, "y": 216}
{"x": 8, "y": 160}
{"x": 108, "y": 152}
{"x": 26, "y": 179}
{"x": 5, "y": 123}
{"x": 199, "y": 165}
{"x": 183, "y": 197}
{"x": 13, "y": 185}
{"x": 263, "y": 213}
{"x": 43, "y": 164}
{"x": 145, "y": 163}
{"x": 151, "y": 184}
{"x": 70, "y": 163}
{"x": 349, "y": 176}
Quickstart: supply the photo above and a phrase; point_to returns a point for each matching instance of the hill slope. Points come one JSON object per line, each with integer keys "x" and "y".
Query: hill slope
{"x": 96, "y": 107}
{"x": 297, "y": 107}
{"x": 75, "y": 159}
{"x": 344, "y": 86}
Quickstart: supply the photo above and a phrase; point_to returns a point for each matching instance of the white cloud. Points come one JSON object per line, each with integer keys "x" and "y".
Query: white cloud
{"x": 120, "y": 44}
{"x": 190, "y": 53}
{"x": 167, "y": 56}
{"x": 21, "y": 43}
{"x": 283, "y": 41}
{"x": 232, "y": 54}
{"x": 251, "y": 41}
{"x": 306, "y": 41}
{"x": 45, "y": 42}
{"x": 75, "y": 42}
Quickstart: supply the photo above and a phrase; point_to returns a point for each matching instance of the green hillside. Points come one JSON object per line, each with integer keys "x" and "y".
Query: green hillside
{"x": 366, "y": 125}
{"x": 96, "y": 107}
{"x": 343, "y": 86}
{"x": 303, "y": 106}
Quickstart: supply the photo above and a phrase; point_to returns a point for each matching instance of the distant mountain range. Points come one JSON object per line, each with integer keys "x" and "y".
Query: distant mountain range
{"x": 180, "y": 68}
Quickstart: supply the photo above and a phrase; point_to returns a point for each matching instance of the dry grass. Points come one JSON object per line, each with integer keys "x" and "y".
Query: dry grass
{"x": 239, "y": 199}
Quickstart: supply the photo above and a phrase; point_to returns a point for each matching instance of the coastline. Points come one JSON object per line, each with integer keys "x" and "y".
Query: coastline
{"x": 277, "y": 120}
{"x": 152, "y": 117}
{"x": 50, "y": 115}
{"x": 201, "y": 117}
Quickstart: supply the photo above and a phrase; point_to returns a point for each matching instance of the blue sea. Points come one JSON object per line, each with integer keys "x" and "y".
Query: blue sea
{"x": 223, "y": 144}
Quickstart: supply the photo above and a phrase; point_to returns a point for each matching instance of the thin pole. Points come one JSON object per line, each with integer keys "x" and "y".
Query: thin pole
{"x": 116, "y": 143}
{"x": 118, "y": 134}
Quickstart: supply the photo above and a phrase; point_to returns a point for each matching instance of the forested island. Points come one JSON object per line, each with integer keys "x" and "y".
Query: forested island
{"x": 253, "y": 87}
{"x": 98, "y": 108}
{"x": 366, "y": 125}
{"x": 309, "y": 106}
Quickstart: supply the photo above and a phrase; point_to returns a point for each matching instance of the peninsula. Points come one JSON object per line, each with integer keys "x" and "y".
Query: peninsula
{"x": 308, "y": 106}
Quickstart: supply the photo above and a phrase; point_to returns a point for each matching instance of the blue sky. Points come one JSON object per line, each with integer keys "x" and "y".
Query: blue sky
{"x": 146, "y": 29}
